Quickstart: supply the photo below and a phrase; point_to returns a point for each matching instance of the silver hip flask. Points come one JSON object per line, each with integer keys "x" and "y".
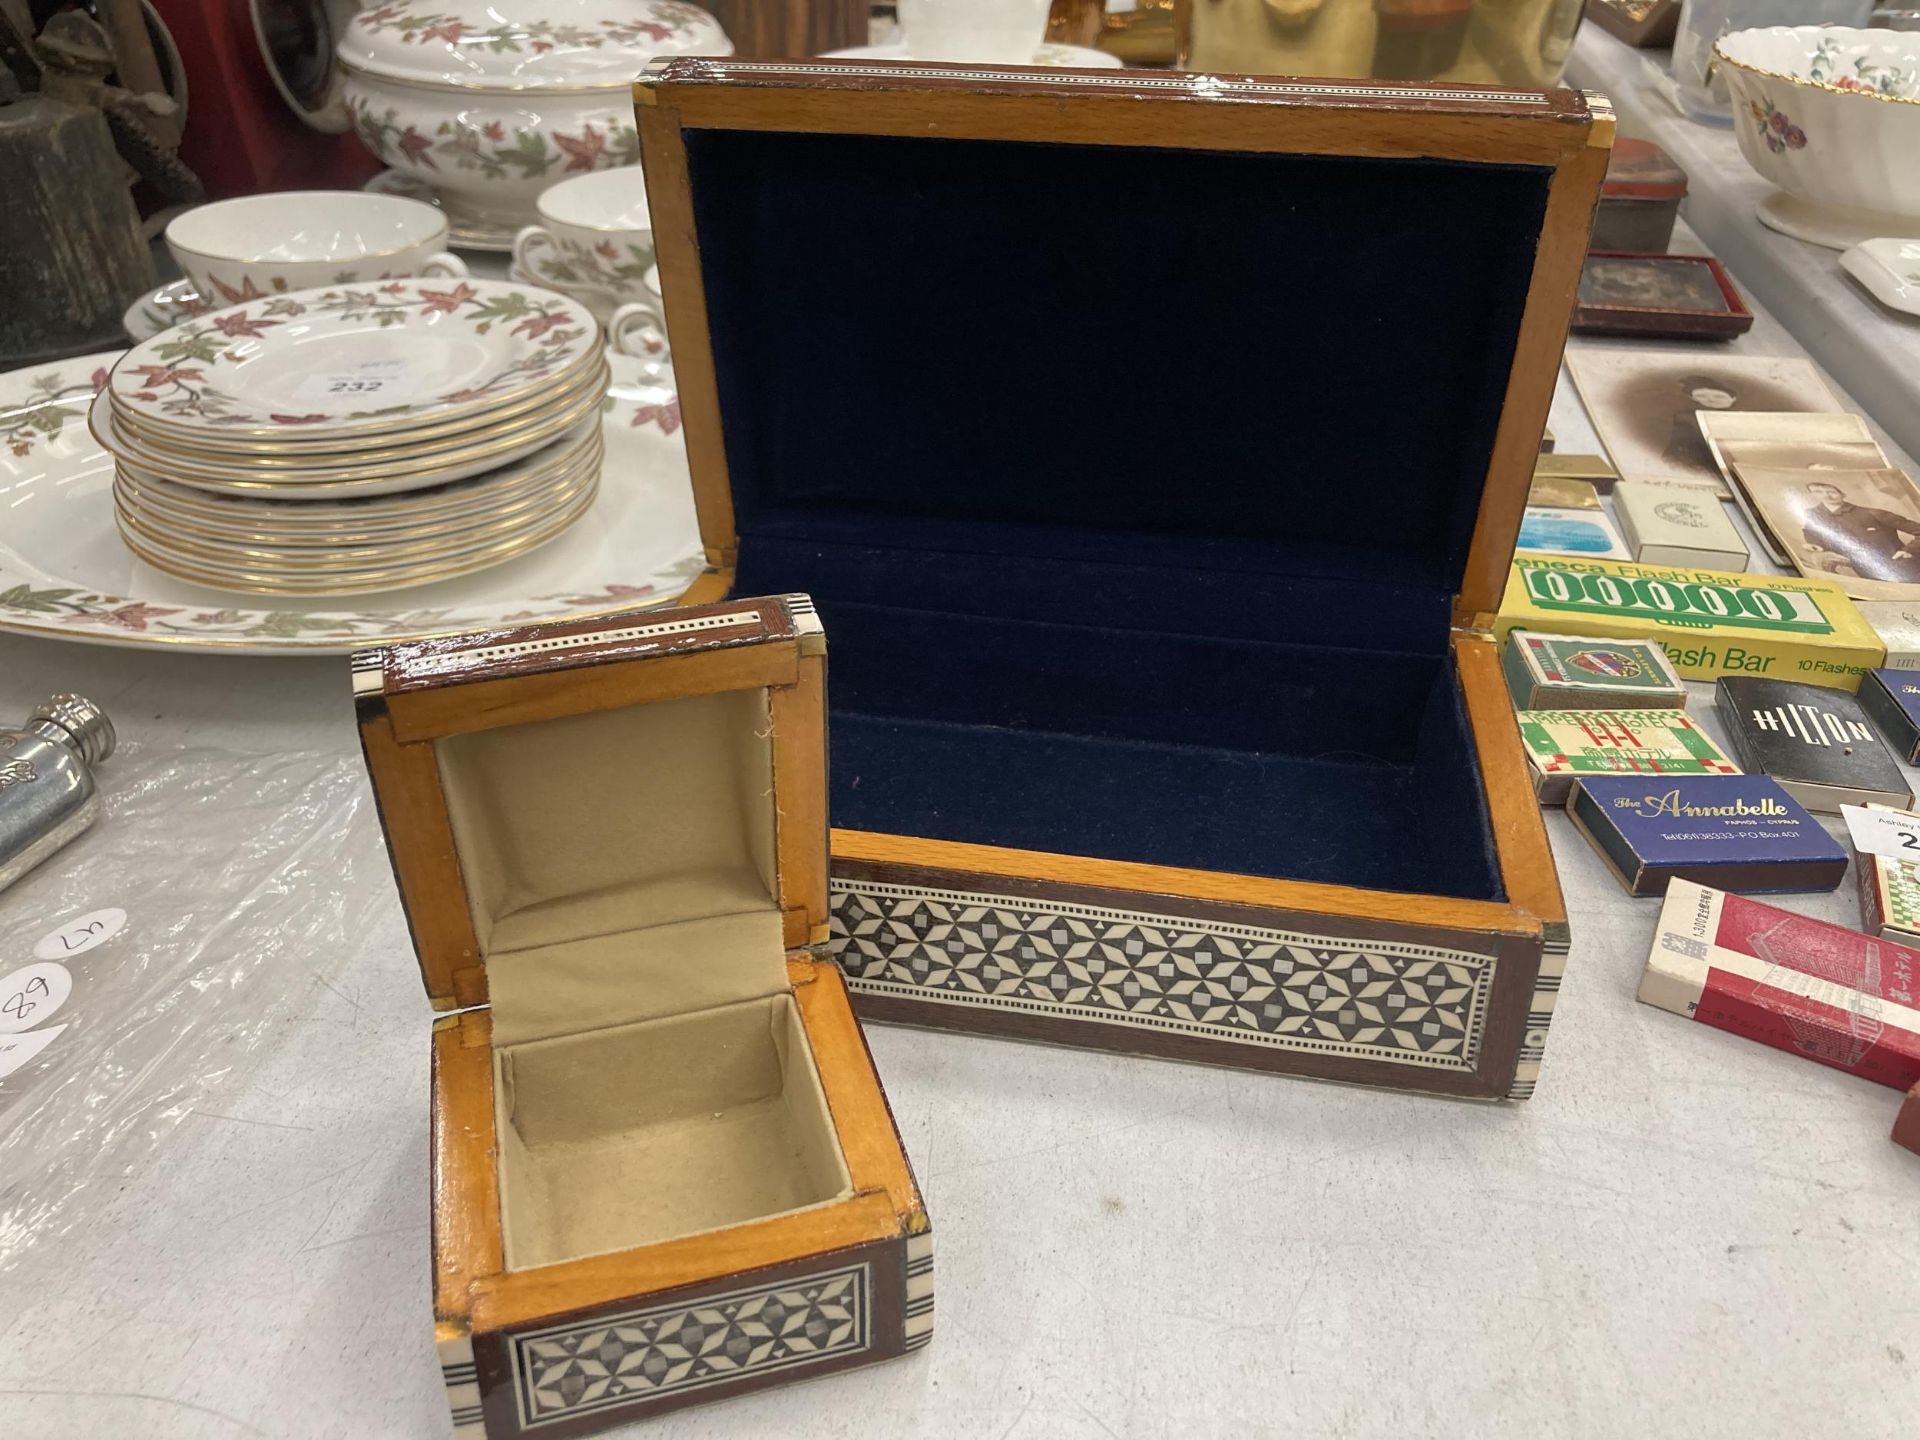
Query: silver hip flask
{"x": 47, "y": 791}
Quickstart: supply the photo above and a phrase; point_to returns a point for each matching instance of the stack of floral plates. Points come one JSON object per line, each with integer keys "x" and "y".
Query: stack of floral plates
{"x": 356, "y": 438}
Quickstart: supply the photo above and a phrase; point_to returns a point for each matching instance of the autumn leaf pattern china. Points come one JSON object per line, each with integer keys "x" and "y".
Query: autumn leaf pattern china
{"x": 260, "y": 245}
{"x": 81, "y": 562}
{"x": 490, "y": 103}
{"x": 481, "y": 391}
{"x": 357, "y": 358}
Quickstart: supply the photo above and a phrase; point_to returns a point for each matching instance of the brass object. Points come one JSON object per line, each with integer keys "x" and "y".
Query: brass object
{"x": 1482, "y": 42}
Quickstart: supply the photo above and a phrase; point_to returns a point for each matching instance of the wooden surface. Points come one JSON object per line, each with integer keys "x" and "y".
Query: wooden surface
{"x": 1526, "y": 860}
{"x": 1035, "y": 871}
{"x": 799, "y": 716}
{"x": 465, "y": 1176}
{"x": 1571, "y": 199}
{"x": 425, "y": 861}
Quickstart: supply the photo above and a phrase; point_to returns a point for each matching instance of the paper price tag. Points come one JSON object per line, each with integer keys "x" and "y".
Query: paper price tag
{"x": 76, "y": 937}
{"x": 17, "y": 1050}
{"x": 31, "y": 995}
{"x": 383, "y": 381}
{"x": 1892, "y": 833}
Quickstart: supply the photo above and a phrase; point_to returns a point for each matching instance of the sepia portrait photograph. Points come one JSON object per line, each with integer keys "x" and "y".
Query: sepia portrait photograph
{"x": 1860, "y": 528}
{"x": 1651, "y": 283}
{"x": 1644, "y": 404}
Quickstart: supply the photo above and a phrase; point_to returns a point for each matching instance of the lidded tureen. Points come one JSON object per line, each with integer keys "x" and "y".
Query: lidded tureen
{"x": 488, "y": 102}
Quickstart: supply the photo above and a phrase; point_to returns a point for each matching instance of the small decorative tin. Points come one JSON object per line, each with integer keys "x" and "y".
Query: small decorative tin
{"x": 1640, "y": 199}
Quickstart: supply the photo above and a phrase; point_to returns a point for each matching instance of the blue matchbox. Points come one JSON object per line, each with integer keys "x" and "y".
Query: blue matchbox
{"x": 1891, "y": 699}
{"x": 1740, "y": 833}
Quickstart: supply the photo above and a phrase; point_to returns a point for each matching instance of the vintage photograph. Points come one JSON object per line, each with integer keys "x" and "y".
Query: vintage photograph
{"x": 1860, "y": 528}
{"x": 1644, "y": 404}
{"x": 1667, "y": 282}
{"x": 1758, "y": 440}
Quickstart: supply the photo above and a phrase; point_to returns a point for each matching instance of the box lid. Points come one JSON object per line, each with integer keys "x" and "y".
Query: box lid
{"x": 1641, "y": 170}
{"x": 1068, "y": 340}
{"x": 599, "y": 821}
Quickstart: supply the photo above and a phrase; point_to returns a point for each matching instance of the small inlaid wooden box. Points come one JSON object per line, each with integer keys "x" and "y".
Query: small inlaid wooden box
{"x": 663, "y": 1167}
{"x": 1165, "y": 716}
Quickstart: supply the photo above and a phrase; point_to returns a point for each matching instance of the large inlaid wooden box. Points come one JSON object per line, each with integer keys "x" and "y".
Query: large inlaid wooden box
{"x": 1154, "y": 446}
{"x": 663, "y": 1168}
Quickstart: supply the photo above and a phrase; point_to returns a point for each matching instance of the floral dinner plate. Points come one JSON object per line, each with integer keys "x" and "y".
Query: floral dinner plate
{"x": 65, "y": 574}
{"x": 354, "y": 360}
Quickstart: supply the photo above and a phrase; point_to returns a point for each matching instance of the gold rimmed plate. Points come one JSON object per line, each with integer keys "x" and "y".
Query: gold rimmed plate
{"x": 307, "y": 522}
{"x": 297, "y": 448}
{"x": 373, "y": 530}
{"x": 268, "y": 584}
{"x": 393, "y": 452}
{"x": 355, "y": 360}
{"x": 358, "y": 480}
{"x": 320, "y": 561}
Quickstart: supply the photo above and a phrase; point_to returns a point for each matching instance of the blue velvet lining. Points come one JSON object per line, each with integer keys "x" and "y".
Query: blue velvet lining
{"x": 1133, "y": 486}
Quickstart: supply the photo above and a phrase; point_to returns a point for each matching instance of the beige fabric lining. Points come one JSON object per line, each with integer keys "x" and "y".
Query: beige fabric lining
{"x": 629, "y": 1136}
{"x": 652, "y": 1076}
{"x": 619, "y": 865}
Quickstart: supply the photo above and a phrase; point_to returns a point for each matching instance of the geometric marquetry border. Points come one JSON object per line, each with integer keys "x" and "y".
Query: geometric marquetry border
{"x": 1410, "y": 1004}
{"x": 565, "y": 1371}
{"x": 1546, "y": 997}
{"x": 919, "y": 1306}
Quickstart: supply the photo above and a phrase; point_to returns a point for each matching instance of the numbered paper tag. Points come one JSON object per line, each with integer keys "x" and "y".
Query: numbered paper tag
{"x": 76, "y": 937}
{"x": 31, "y": 996}
{"x": 374, "y": 382}
{"x": 17, "y": 1050}
{"x": 1892, "y": 833}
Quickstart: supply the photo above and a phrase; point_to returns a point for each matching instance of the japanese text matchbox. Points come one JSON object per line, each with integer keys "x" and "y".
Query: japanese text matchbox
{"x": 1830, "y": 994}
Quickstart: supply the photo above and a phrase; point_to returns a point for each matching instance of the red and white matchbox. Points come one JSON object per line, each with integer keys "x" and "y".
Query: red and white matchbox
{"x": 1828, "y": 993}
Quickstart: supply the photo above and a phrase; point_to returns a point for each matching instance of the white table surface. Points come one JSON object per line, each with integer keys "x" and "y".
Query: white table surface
{"x": 1683, "y": 1233}
{"x": 1874, "y": 352}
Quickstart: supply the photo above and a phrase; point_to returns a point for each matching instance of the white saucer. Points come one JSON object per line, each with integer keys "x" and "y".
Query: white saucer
{"x": 592, "y": 297}
{"x": 162, "y": 309}
{"x": 463, "y": 234}
{"x": 1059, "y": 57}
{"x": 1889, "y": 269}
{"x": 1835, "y": 227}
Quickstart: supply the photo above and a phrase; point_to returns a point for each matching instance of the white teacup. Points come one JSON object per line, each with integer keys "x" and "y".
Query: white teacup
{"x": 595, "y": 235}
{"x": 1003, "y": 31}
{"x": 234, "y": 250}
{"x": 639, "y": 327}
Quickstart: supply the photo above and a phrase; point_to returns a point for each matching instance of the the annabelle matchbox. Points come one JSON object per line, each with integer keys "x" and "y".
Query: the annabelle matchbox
{"x": 1742, "y": 833}
{"x": 1711, "y": 622}
{"x": 1891, "y": 699}
{"x": 1565, "y": 745}
{"x": 1832, "y": 995}
{"x": 1567, "y": 672}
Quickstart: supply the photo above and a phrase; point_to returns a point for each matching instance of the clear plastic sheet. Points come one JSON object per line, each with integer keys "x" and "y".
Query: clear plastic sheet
{"x": 241, "y": 878}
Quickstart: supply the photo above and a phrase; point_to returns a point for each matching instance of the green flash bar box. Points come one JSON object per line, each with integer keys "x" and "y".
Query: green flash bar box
{"x": 1710, "y": 622}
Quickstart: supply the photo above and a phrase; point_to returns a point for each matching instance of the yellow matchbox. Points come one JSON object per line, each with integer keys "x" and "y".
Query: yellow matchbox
{"x": 1711, "y": 622}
